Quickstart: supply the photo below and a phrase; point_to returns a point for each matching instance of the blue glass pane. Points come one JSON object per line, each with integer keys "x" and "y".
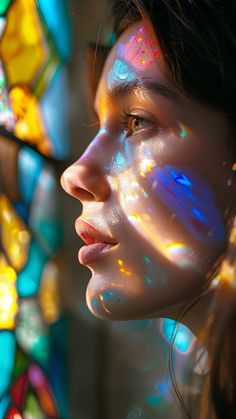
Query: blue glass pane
{"x": 54, "y": 109}
{"x": 30, "y": 164}
{"x": 7, "y": 355}
{"x": 4, "y": 402}
{"x": 56, "y": 16}
{"x": 28, "y": 280}
{"x": 22, "y": 210}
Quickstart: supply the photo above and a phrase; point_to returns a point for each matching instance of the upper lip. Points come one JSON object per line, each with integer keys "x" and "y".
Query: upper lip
{"x": 90, "y": 234}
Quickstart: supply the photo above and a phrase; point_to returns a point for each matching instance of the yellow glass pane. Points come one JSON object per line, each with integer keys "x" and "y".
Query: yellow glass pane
{"x": 14, "y": 235}
{"x": 29, "y": 124}
{"x": 23, "y": 46}
{"x": 49, "y": 295}
{"x": 8, "y": 295}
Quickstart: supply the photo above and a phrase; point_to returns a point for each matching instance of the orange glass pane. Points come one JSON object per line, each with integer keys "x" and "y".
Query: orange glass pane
{"x": 29, "y": 124}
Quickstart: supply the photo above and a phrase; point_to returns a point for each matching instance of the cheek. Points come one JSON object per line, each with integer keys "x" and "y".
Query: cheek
{"x": 146, "y": 292}
{"x": 173, "y": 209}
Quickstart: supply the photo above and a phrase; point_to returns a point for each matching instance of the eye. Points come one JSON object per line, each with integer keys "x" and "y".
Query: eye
{"x": 136, "y": 123}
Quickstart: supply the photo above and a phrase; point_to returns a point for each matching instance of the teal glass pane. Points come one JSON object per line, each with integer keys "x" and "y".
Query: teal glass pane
{"x": 3, "y": 6}
{"x": 28, "y": 280}
{"x": 4, "y": 403}
{"x": 56, "y": 16}
{"x": 7, "y": 356}
{"x": 30, "y": 164}
{"x": 54, "y": 109}
{"x": 58, "y": 364}
{"x": 44, "y": 217}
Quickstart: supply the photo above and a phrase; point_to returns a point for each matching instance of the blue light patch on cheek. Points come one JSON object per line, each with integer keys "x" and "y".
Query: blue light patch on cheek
{"x": 191, "y": 200}
{"x": 120, "y": 161}
{"x": 119, "y": 71}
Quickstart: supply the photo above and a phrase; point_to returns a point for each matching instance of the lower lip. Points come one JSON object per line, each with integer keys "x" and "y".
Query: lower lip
{"x": 93, "y": 251}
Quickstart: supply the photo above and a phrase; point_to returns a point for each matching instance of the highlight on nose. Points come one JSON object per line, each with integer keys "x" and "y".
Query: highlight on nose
{"x": 85, "y": 182}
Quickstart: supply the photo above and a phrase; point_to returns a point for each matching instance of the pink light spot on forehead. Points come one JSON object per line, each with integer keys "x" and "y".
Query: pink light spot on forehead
{"x": 141, "y": 50}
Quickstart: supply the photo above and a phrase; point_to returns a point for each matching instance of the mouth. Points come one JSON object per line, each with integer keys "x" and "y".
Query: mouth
{"x": 97, "y": 244}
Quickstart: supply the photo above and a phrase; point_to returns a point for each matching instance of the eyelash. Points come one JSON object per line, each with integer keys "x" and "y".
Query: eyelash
{"x": 127, "y": 117}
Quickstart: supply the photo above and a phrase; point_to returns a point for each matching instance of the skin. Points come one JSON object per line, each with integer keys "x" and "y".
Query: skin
{"x": 159, "y": 181}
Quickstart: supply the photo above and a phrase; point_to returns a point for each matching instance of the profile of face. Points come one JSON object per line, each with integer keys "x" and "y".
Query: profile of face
{"x": 156, "y": 185}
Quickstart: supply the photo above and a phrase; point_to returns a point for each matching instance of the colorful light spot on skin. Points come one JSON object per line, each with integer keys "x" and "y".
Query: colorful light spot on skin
{"x": 147, "y": 166}
{"x": 120, "y": 71}
{"x": 148, "y": 280}
{"x": 162, "y": 387}
{"x": 109, "y": 299}
{"x": 120, "y": 161}
{"x": 190, "y": 198}
{"x": 95, "y": 302}
{"x": 134, "y": 217}
{"x": 181, "y": 254}
{"x": 106, "y": 295}
{"x": 184, "y": 131}
{"x": 153, "y": 400}
{"x": 123, "y": 269}
{"x": 144, "y": 220}
{"x": 141, "y": 51}
{"x": 153, "y": 274}
{"x": 178, "y": 334}
{"x": 146, "y": 259}
{"x": 183, "y": 180}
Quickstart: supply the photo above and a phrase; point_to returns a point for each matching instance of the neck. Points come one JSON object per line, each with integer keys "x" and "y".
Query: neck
{"x": 193, "y": 314}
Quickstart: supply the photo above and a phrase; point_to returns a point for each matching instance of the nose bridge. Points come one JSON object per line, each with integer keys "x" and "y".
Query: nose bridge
{"x": 86, "y": 179}
{"x": 98, "y": 152}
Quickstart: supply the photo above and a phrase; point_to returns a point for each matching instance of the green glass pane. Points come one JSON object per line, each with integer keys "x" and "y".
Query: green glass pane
{"x": 21, "y": 363}
{"x": 3, "y": 6}
{"x": 32, "y": 408}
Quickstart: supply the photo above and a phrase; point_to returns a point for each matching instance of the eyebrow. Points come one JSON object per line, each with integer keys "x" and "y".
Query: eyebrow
{"x": 119, "y": 90}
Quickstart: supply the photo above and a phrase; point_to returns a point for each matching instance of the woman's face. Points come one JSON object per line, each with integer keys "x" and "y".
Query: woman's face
{"x": 156, "y": 186}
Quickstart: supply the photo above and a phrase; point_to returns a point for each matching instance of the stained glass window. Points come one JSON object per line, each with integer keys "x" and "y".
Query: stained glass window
{"x": 35, "y": 44}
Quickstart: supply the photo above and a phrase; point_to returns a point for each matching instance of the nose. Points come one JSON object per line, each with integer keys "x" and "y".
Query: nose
{"x": 86, "y": 181}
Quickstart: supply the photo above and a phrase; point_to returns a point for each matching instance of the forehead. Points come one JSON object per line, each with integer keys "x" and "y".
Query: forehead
{"x": 135, "y": 53}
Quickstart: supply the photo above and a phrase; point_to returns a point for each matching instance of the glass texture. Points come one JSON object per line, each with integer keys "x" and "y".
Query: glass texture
{"x": 3, "y": 6}
{"x": 30, "y": 48}
{"x": 14, "y": 234}
{"x": 55, "y": 15}
{"x": 7, "y": 354}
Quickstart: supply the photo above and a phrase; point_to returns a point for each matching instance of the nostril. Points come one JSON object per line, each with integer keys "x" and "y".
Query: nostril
{"x": 81, "y": 194}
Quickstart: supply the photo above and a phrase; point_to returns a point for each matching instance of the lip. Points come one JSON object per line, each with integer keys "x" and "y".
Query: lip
{"x": 96, "y": 243}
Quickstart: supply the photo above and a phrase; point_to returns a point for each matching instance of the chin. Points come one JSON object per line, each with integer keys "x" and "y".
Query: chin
{"x": 107, "y": 304}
